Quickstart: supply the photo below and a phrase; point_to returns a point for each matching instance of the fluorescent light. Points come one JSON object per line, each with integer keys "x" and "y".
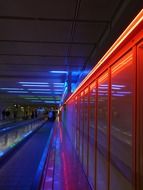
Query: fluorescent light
{"x": 39, "y": 89}
{"x": 59, "y": 72}
{"x": 52, "y": 102}
{"x": 49, "y": 102}
{"x": 58, "y": 86}
{"x": 121, "y": 92}
{"x": 31, "y": 98}
{"x": 116, "y": 88}
{"x": 118, "y": 95}
{"x": 58, "y": 92}
{"x": 59, "y": 83}
{"x": 52, "y": 92}
{"x": 118, "y": 85}
{"x": 44, "y": 90}
{"x": 24, "y": 92}
{"x": 41, "y": 92}
{"x": 26, "y": 96}
{"x": 11, "y": 88}
{"x": 36, "y": 101}
{"x": 33, "y": 83}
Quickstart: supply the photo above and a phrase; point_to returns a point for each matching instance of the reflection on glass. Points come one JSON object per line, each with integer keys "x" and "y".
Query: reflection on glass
{"x": 77, "y": 128}
{"x": 102, "y": 141}
{"x": 91, "y": 165}
{"x": 121, "y": 124}
{"x": 81, "y": 126}
{"x": 85, "y": 135}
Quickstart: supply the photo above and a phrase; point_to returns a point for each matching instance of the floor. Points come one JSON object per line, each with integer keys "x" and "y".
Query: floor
{"x": 63, "y": 171}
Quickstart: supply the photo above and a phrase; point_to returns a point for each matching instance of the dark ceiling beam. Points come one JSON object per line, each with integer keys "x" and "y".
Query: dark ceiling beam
{"x": 33, "y": 55}
{"x": 52, "y": 19}
{"x": 93, "y": 50}
{"x": 73, "y": 27}
{"x": 36, "y": 64}
{"x": 118, "y": 11}
{"x": 46, "y": 42}
{"x": 72, "y": 31}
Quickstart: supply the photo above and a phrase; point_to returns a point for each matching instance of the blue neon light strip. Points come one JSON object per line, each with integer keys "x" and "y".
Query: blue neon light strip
{"x": 59, "y": 72}
{"x": 22, "y": 92}
{"x": 11, "y": 88}
{"x": 34, "y": 83}
{"x": 32, "y": 89}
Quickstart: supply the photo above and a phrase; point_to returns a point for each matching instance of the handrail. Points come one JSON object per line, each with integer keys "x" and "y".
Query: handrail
{"x": 7, "y": 129}
{"x": 11, "y": 149}
{"x": 40, "y": 171}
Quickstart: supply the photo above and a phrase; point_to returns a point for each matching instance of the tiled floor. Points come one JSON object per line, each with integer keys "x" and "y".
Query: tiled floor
{"x": 64, "y": 171}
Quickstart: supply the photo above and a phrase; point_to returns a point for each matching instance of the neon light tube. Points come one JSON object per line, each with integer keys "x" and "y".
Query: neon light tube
{"x": 33, "y": 82}
{"x": 39, "y": 89}
{"x": 35, "y": 85}
{"x": 138, "y": 19}
{"x": 12, "y": 89}
{"x": 22, "y": 92}
{"x": 59, "y": 72}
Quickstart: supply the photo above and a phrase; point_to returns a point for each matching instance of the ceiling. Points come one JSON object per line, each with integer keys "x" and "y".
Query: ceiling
{"x": 45, "y": 45}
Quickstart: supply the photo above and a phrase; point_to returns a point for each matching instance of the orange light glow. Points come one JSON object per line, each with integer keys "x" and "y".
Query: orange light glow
{"x": 92, "y": 85}
{"x": 138, "y": 20}
{"x": 86, "y": 90}
{"x": 103, "y": 78}
{"x": 122, "y": 64}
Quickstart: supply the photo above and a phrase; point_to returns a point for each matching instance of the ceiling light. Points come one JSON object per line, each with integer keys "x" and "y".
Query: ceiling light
{"x": 39, "y": 89}
{"x": 36, "y": 101}
{"x": 24, "y": 92}
{"x": 59, "y": 72}
{"x": 41, "y": 92}
{"x": 11, "y": 88}
{"x": 33, "y": 83}
{"x": 59, "y": 83}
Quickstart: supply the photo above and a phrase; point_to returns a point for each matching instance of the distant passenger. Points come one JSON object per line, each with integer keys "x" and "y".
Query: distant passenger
{"x": 50, "y": 115}
{"x": 15, "y": 115}
{"x": 32, "y": 115}
{"x": 36, "y": 115}
{"x": 3, "y": 115}
{"x": 7, "y": 113}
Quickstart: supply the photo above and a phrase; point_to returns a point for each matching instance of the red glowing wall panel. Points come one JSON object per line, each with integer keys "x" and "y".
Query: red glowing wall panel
{"x": 122, "y": 97}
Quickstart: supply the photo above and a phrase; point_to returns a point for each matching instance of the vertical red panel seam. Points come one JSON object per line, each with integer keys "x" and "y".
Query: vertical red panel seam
{"x": 76, "y": 125}
{"x": 83, "y": 131}
{"x": 134, "y": 132}
{"x": 79, "y": 126}
{"x": 88, "y": 130}
{"x": 95, "y": 138}
{"x": 82, "y": 127}
{"x": 109, "y": 125}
